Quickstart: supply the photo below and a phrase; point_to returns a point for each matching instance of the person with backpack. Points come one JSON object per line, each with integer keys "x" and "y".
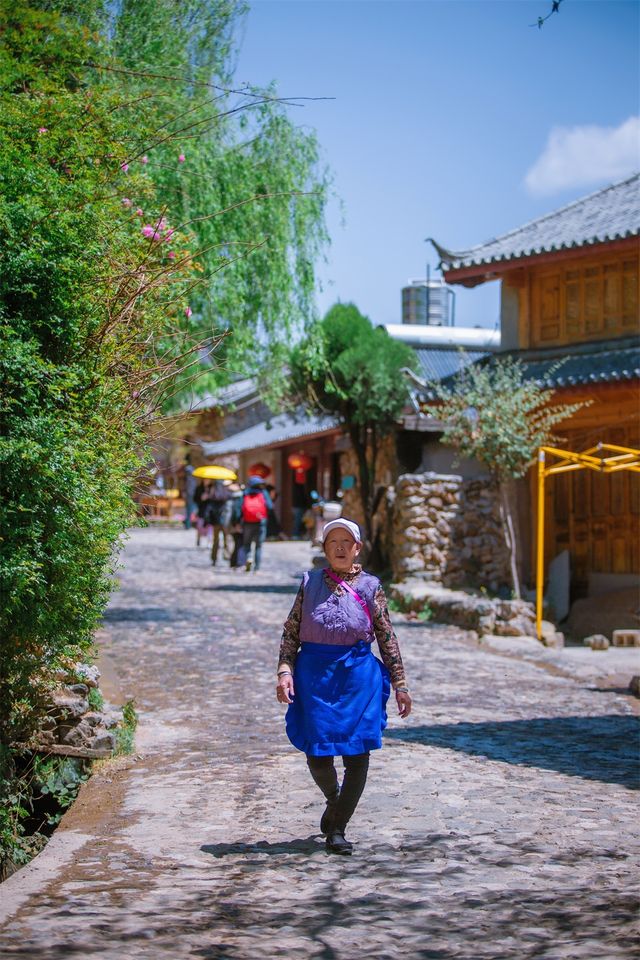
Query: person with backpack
{"x": 256, "y": 504}
{"x": 217, "y": 509}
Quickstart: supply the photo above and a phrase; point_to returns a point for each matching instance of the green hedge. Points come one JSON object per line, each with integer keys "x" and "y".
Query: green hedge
{"x": 84, "y": 297}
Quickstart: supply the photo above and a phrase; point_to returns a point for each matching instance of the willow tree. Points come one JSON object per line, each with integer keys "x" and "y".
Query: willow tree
{"x": 493, "y": 413}
{"x": 245, "y": 180}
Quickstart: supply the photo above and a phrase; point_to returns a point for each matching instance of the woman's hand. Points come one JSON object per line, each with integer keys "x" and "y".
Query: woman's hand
{"x": 284, "y": 689}
{"x": 403, "y": 699}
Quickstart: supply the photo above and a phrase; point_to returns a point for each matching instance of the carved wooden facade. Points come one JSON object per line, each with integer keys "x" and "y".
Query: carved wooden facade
{"x": 578, "y": 304}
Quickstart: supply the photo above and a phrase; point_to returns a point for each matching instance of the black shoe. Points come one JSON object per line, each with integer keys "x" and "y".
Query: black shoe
{"x": 337, "y": 843}
{"x": 329, "y": 815}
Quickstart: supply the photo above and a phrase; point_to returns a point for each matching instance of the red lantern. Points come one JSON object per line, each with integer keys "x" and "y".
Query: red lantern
{"x": 259, "y": 470}
{"x": 299, "y": 461}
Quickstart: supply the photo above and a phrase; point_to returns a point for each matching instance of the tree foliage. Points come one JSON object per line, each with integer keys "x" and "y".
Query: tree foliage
{"x": 350, "y": 369}
{"x": 494, "y": 414}
{"x": 251, "y": 186}
{"x": 144, "y": 209}
{"x": 88, "y": 300}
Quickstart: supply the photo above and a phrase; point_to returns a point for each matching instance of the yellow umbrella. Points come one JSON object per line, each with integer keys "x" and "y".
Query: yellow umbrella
{"x": 212, "y": 471}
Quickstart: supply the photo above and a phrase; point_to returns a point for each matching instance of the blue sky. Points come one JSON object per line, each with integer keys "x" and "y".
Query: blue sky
{"x": 452, "y": 118}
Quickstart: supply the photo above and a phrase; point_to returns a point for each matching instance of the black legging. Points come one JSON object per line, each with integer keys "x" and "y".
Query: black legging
{"x": 324, "y": 773}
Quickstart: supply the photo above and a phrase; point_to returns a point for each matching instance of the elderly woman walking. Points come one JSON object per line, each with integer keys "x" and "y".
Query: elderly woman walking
{"x": 335, "y": 687}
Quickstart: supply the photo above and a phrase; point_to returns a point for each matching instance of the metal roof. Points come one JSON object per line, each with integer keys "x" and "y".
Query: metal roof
{"x": 612, "y": 213}
{"x": 281, "y": 429}
{"x": 446, "y": 337}
{"x": 439, "y": 364}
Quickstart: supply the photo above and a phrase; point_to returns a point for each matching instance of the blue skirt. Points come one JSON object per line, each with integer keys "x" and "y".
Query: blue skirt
{"x": 340, "y": 700}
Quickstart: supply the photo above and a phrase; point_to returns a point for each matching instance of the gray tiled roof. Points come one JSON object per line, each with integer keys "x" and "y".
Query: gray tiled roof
{"x": 610, "y": 361}
{"x": 279, "y": 429}
{"x": 235, "y": 392}
{"x": 609, "y": 214}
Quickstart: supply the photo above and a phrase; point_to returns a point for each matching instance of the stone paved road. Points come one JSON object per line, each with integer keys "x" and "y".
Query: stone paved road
{"x": 499, "y": 822}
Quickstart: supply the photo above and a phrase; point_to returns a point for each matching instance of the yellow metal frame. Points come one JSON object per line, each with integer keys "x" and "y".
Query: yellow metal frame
{"x": 603, "y": 458}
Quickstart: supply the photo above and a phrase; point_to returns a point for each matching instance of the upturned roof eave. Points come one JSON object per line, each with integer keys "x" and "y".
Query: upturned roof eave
{"x": 473, "y": 274}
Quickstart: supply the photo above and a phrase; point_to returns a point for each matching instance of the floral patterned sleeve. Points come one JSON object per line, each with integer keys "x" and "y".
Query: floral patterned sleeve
{"x": 387, "y": 640}
{"x": 291, "y": 632}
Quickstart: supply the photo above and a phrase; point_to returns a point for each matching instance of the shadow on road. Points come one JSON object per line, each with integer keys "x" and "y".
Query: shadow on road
{"x": 594, "y": 748}
{"x": 250, "y": 586}
{"x": 138, "y": 614}
{"x": 308, "y": 845}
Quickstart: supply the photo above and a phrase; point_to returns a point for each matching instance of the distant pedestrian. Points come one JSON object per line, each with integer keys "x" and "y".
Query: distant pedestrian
{"x": 336, "y": 689}
{"x": 299, "y": 505}
{"x": 216, "y": 509}
{"x": 190, "y": 484}
{"x": 256, "y": 504}
{"x": 274, "y": 529}
{"x": 235, "y": 525}
{"x": 201, "y": 497}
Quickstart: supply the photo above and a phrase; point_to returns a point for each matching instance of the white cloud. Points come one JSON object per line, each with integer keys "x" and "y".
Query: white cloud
{"x": 578, "y": 156}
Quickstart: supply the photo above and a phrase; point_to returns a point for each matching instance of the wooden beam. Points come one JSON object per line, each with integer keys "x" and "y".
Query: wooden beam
{"x": 474, "y": 275}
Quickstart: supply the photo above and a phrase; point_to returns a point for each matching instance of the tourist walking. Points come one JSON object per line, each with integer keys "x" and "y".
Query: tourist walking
{"x": 256, "y": 504}
{"x": 335, "y": 687}
{"x": 190, "y": 484}
{"x": 235, "y": 525}
{"x": 218, "y": 515}
{"x": 201, "y": 498}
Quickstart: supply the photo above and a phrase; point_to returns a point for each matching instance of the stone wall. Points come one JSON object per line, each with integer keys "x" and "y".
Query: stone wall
{"x": 448, "y": 531}
{"x": 72, "y": 726}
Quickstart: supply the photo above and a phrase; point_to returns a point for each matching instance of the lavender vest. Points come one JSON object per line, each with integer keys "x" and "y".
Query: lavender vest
{"x": 330, "y": 618}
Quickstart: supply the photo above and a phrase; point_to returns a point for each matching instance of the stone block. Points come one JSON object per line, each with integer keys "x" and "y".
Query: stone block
{"x": 555, "y": 639}
{"x": 626, "y": 638}
{"x": 67, "y": 704}
{"x": 103, "y": 741}
{"x": 516, "y": 627}
{"x": 597, "y": 641}
{"x": 634, "y": 685}
{"x": 410, "y": 564}
{"x": 78, "y": 735}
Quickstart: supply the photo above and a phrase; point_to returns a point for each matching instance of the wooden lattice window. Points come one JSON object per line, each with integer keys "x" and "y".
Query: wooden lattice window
{"x": 585, "y": 302}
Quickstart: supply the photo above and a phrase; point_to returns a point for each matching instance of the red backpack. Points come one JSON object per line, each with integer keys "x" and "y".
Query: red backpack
{"x": 254, "y": 507}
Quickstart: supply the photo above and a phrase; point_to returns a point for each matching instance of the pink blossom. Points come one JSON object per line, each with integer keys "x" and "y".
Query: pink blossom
{"x": 168, "y": 234}
{"x": 188, "y": 312}
{"x": 43, "y": 130}
{"x": 139, "y": 212}
{"x": 148, "y": 230}
{"x": 171, "y": 254}
{"x": 126, "y": 202}
{"x": 124, "y": 167}
{"x": 144, "y": 159}
{"x": 181, "y": 158}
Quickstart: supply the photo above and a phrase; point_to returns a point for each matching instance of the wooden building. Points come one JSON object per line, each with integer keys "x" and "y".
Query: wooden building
{"x": 570, "y": 310}
{"x": 274, "y": 442}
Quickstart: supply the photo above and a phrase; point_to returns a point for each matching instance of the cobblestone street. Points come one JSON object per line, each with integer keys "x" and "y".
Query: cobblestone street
{"x": 499, "y": 821}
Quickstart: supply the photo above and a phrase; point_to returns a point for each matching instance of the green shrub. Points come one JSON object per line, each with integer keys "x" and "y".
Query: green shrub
{"x": 85, "y": 300}
{"x": 125, "y": 732}
{"x": 95, "y": 699}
